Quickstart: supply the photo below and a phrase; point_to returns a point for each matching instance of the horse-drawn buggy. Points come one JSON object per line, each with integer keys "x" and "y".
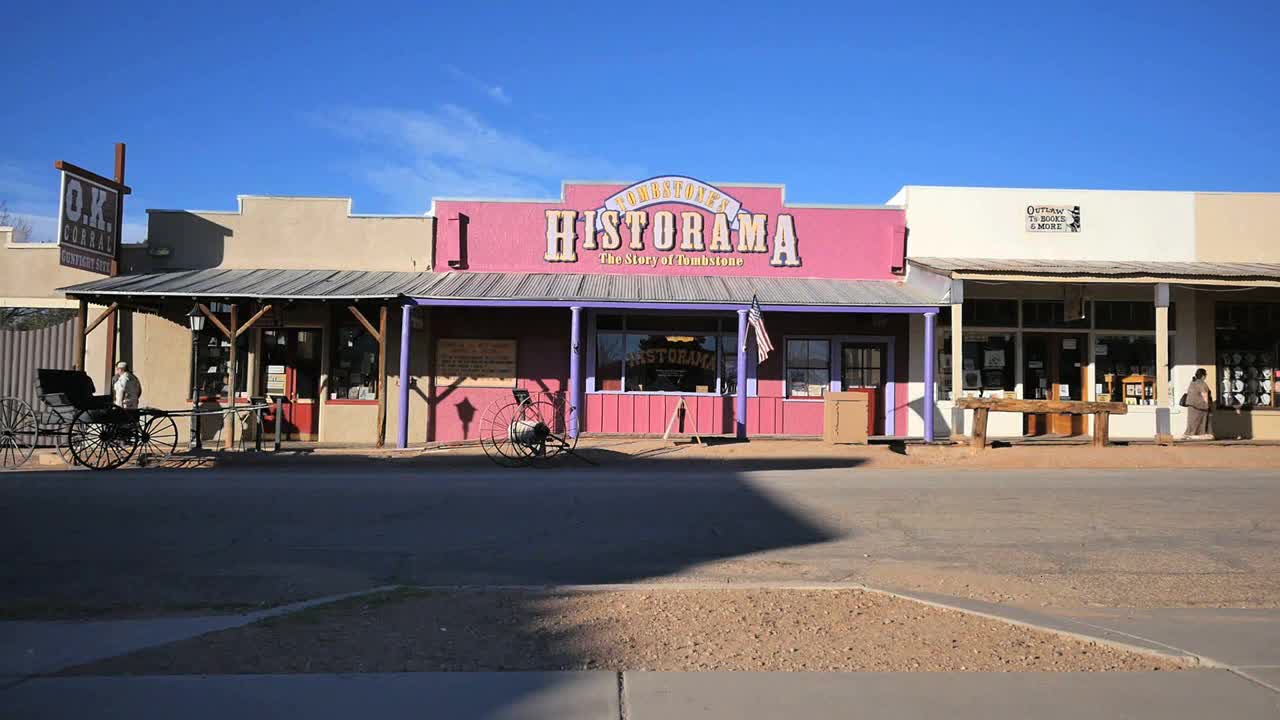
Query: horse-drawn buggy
{"x": 87, "y": 429}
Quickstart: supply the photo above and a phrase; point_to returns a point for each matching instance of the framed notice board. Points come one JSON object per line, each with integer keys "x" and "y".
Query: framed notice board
{"x": 474, "y": 362}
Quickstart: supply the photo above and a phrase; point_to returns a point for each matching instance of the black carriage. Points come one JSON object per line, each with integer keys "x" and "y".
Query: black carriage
{"x": 87, "y": 429}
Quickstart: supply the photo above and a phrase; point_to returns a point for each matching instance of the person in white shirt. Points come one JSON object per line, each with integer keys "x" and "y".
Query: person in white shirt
{"x": 126, "y": 389}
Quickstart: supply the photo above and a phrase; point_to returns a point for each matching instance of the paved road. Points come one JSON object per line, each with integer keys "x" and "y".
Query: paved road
{"x": 599, "y": 696}
{"x": 170, "y": 539}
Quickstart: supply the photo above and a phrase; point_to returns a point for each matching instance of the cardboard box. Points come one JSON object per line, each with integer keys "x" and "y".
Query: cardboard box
{"x": 844, "y": 417}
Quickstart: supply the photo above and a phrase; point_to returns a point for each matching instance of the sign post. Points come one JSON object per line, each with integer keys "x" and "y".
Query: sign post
{"x": 90, "y": 219}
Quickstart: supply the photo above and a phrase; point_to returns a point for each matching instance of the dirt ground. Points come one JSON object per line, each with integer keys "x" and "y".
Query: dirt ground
{"x": 673, "y": 630}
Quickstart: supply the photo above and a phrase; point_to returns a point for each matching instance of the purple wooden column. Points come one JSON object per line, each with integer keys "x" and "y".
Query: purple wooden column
{"x": 741, "y": 413}
{"x": 402, "y": 423}
{"x": 930, "y": 401}
{"x": 575, "y": 369}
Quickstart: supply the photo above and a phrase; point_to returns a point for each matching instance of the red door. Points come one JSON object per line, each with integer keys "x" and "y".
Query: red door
{"x": 862, "y": 368}
{"x": 290, "y": 370}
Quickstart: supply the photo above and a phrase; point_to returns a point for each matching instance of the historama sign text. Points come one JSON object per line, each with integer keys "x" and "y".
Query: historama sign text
{"x": 622, "y": 228}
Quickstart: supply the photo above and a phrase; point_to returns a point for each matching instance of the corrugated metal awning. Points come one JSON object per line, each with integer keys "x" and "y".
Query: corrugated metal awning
{"x": 260, "y": 283}
{"x": 508, "y": 286}
{"x": 1118, "y": 269}
{"x": 675, "y": 289}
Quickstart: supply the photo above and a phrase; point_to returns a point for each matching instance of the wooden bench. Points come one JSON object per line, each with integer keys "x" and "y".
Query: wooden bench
{"x": 982, "y": 407}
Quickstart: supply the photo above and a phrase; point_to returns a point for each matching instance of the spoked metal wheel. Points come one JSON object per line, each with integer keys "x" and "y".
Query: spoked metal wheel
{"x": 495, "y": 433}
{"x": 18, "y": 431}
{"x": 103, "y": 439}
{"x": 157, "y": 435}
{"x": 531, "y": 432}
{"x": 545, "y": 416}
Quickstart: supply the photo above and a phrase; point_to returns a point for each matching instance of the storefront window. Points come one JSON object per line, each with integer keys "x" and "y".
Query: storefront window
{"x": 1128, "y": 315}
{"x": 1247, "y": 337}
{"x": 354, "y": 364}
{"x": 1125, "y": 368}
{"x": 648, "y": 353}
{"x": 671, "y": 363}
{"x": 808, "y": 367}
{"x": 213, "y": 355}
{"x": 986, "y": 364}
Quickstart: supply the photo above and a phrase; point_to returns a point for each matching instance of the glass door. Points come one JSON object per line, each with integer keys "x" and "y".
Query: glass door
{"x": 290, "y": 370}
{"x": 862, "y": 367}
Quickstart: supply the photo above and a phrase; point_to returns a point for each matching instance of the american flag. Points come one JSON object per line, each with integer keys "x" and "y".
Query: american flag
{"x": 756, "y": 319}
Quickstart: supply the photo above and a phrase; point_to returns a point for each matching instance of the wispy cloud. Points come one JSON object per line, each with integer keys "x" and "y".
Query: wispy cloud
{"x": 412, "y": 156}
{"x": 492, "y": 91}
{"x": 36, "y": 201}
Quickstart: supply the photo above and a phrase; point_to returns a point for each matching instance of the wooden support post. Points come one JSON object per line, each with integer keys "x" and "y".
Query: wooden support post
{"x": 980, "y": 428}
{"x": 229, "y": 430}
{"x": 382, "y": 376}
{"x": 82, "y": 318}
{"x": 1101, "y": 429}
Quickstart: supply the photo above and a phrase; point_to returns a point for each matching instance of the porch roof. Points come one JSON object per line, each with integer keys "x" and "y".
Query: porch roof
{"x": 464, "y": 287}
{"x": 259, "y": 283}
{"x": 674, "y": 289}
{"x": 1245, "y": 273}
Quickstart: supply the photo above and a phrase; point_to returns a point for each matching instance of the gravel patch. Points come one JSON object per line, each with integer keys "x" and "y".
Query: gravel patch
{"x": 669, "y": 630}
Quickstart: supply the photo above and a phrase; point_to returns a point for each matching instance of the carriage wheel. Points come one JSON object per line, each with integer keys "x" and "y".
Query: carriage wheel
{"x": 495, "y": 436}
{"x": 102, "y": 439}
{"x": 18, "y": 432}
{"x": 158, "y": 435}
{"x": 63, "y": 446}
{"x": 550, "y": 410}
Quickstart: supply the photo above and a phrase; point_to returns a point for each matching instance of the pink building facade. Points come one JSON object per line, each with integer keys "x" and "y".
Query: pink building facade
{"x": 630, "y": 301}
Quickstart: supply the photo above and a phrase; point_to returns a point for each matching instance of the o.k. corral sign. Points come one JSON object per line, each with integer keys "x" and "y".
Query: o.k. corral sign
{"x": 89, "y": 219}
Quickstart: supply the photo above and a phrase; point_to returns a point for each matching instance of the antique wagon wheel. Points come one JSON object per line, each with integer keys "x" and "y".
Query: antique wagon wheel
{"x": 157, "y": 434}
{"x": 103, "y": 439}
{"x": 495, "y": 433}
{"x": 18, "y": 431}
{"x": 548, "y": 414}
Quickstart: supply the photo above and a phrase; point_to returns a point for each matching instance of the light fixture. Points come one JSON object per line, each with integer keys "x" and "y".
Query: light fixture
{"x": 195, "y": 319}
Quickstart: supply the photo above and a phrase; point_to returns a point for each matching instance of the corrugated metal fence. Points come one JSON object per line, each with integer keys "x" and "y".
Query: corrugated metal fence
{"x": 22, "y": 352}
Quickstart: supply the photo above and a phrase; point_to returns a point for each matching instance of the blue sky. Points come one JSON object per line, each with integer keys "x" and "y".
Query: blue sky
{"x": 843, "y": 102}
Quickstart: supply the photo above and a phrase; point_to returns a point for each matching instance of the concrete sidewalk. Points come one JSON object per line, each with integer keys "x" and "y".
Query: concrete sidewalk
{"x": 646, "y": 696}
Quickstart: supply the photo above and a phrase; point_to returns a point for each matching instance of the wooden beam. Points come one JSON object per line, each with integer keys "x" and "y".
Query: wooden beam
{"x": 229, "y": 431}
{"x": 256, "y": 316}
{"x": 90, "y": 175}
{"x": 1101, "y": 429}
{"x": 110, "y": 354}
{"x": 214, "y": 319}
{"x": 77, "y": 353}
{"x": 102, "y": 316}
{"x": 1071, "y": 407}
{"x": 382, "y": 375}
{"x": 367, "y": 325}
{"x": 980, "y": 428}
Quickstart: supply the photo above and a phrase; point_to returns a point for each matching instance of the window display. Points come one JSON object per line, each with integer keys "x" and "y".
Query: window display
{"x": 1248, "y": 343}
{"x": 1125, "y": 368}
{"x": 354, "y": 365}
{"x": 644, "y": 353}
{"x": 213, "y": 355}
{"x": 987, "y": 364}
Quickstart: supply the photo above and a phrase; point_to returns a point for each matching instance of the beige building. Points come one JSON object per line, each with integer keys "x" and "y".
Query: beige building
{"x": 310, "y": 345}
{"x": 1097, "y": 294}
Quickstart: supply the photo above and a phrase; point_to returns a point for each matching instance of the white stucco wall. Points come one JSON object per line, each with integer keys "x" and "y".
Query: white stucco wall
{"x": 991, "y": 223}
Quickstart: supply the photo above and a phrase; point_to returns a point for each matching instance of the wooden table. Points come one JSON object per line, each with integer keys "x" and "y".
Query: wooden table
{"x": 982, "y": 407}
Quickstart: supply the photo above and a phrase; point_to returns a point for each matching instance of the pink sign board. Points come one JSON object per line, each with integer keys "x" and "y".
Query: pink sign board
{"x": 672, "y": 225}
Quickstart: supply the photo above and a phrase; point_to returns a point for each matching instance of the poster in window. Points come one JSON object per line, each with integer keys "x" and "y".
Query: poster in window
{"x": 473, "y": 362}
{"x": 993, "y": 359}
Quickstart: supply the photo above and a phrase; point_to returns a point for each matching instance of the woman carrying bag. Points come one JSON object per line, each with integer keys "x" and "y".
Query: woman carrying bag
{"x": 1198, "y": 400}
